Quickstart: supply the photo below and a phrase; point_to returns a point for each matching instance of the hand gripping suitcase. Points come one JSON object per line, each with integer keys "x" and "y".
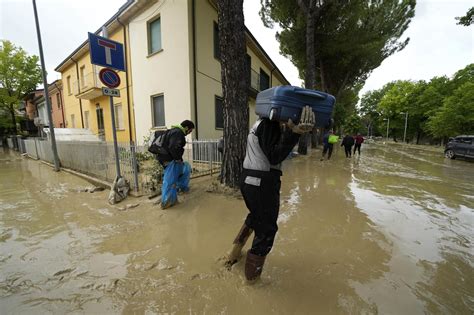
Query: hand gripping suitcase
{"x": 284, "y": 102}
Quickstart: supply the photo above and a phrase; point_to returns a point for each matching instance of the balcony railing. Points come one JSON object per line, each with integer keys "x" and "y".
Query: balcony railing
{"x": 255, "y": 80}
{"x": 88, "y": 87}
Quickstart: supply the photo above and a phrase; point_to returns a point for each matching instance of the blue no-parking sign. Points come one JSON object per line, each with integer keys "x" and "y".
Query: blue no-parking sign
{"x": 109, "y": 78}
{"x": 106, "y": 53}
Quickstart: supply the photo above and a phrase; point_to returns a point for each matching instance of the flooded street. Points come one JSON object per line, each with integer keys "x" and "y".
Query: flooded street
{"x": 390, "y": 232}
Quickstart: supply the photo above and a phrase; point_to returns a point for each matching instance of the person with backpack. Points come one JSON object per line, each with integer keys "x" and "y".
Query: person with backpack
{"x": 348, "y": 142}
{"x": 328, "y": 143}
{"x": 168, "y": 147}
{"x": 268, "y": 144}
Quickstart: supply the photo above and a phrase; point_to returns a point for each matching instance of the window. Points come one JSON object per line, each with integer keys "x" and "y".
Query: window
{"x": 219, "y": 105}
{"x": 86, "y": 119}
{"x": 118, "y": 117}
{"x": 158, "y": 108}
{"x": 73, "y": 122}
{"x": 100, "y": 117}
{"x": 154, "y": 36}
{"x": 217, "y": 48}
{"x": 58, "y": 100}
{"x": 68, "y": 79}
{"x": 83, "y": 76}
{"x": 264, "y": 80}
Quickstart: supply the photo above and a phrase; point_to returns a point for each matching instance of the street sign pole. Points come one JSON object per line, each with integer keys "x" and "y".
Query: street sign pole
{"x": 112, "y": 113}
{"x": 46, "y": 96}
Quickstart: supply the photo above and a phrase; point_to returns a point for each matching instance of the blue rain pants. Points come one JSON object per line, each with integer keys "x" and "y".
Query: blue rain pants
{"x": 175, "y": 177}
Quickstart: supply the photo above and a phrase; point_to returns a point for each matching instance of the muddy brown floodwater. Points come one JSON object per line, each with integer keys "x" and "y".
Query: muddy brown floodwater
{"x": 389, "y": 232}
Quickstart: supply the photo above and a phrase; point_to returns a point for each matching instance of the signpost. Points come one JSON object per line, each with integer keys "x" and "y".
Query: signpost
{"x": 110, "y": 54}
{"x": 109, "y": 78}
{"x": 110, "y": 92}
{"x": 106, "y": 53}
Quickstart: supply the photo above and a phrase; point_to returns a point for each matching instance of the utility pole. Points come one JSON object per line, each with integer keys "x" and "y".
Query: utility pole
{"x": 406, "y": 124}
{"x": 388, "y": 125}
{"x": 46, "y": 90}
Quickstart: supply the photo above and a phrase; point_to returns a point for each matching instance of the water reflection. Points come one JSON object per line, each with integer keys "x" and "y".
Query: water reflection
{"x": 422, "y": 204}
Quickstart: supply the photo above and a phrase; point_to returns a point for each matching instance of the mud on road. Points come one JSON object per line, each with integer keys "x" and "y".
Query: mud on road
{"x": 390, "y": 231}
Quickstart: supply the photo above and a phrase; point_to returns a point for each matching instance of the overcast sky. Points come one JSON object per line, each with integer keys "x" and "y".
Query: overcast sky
{"x": 437, "y": 45}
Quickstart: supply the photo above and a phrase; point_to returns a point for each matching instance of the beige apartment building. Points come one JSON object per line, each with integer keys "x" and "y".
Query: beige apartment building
{"x": 176, "y": 70}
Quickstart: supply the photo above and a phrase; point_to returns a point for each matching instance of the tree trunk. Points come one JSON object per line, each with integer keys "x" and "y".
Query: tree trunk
{"x": 310, "y": 70}
{"x": 322, "y": 74}
{"x": 235, "y": 83}
{"x": 314, "y": 138}
{"x": 12, "y": 113}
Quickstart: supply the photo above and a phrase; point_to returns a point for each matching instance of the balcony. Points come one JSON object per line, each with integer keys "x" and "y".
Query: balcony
{"x": 254, "y": 80}
{"x": 88, "y": 87}
{"x": 254, "y": 87}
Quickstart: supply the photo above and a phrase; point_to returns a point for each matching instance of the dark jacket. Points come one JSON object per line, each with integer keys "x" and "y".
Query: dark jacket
{"x": 359, "y": 139}
{"x": 347, "y": 141}
{"x": 267, "y": 146}
{"x": 174, "y": 142}
{"x": 275, "y": 142}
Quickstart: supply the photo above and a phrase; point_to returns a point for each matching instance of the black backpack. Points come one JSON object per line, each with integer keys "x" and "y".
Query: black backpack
{"x": 158, "y": 145}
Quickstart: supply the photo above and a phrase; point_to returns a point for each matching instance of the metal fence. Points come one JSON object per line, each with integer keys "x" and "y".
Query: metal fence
{"x": 97, "y": 159}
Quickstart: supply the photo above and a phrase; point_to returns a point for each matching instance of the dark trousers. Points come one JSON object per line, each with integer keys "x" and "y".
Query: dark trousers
{"x": 348, "y": 149}
{"x": 357, "y": 147}
{"x": 328, "y": 148}
{"x": 262, "y": 198}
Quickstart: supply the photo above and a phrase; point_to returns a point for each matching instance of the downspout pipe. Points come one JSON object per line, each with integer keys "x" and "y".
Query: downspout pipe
{"x": 61, "y": 102}
{"x": 271, "y": 76}
{"x": 79, "y": 90}
{"x": 195, "y": 70}
{"x": 126, "y": 78}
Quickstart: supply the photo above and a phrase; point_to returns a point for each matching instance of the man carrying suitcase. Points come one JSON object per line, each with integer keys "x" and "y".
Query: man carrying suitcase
{"x": 267, "y": 146}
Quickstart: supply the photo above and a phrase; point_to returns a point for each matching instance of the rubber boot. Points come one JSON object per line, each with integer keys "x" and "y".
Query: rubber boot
{"x": 239, "y": 243}
{"x": 253, "y": 266}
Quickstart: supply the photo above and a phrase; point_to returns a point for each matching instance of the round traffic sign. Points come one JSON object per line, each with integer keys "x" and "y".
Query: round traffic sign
{"x": 109, "y": 78}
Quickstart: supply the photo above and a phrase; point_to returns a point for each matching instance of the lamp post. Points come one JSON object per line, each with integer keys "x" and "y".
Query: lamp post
{"x": 46, "y": 90}
{"x": 406, "y": 124}
{"x": 388, "y": 125}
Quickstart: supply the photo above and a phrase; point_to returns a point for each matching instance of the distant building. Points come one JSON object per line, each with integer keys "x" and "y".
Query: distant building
{"x": 55, "y": 92}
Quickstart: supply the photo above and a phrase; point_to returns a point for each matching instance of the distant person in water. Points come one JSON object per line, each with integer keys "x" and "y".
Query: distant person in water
{"x": 328, "y": 144}
{"x": 347, "y": 143}
{"x": 358, "y": 143}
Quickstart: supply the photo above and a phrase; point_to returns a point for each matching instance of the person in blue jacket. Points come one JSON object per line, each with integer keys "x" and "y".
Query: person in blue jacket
{"x": 176, "y": 173}
{"x": 268, "y": 144}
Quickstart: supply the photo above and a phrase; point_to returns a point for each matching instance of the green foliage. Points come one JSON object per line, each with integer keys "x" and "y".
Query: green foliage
{"x": 19, "y": 75}
{"x": 456, "y": 116}
{"x": 468, "y": 19}
{"x": 351, "y": 39}
{"x": 439, "y": 108}
{"x": 149, "y": 167}
{"x": 353, "y": 124}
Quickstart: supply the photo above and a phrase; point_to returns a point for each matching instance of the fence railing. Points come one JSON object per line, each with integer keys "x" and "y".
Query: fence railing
{"x": 97, "y": 159}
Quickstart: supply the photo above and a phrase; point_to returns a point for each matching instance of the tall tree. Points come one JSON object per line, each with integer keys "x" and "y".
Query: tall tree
{"x": 235, "y": 83}
{"x": 19, "y": 75}
{"x": 351, "y": 38}
{"x": 468, "y": 19}
{"x": 456, "y": 116}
